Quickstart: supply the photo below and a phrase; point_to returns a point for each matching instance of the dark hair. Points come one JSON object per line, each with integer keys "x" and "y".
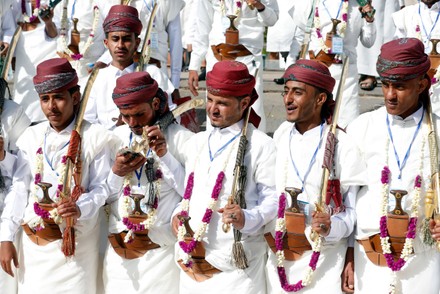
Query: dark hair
{"x": 73, "y": 89}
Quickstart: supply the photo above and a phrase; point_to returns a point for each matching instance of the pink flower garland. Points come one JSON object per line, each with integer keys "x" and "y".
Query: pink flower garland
{"x": 23, "y": 9}
{"x": 279, "y": 246}
{"x": 411, "y": 233}
{"x": 187, "y": 248}
{"x": 37, "y": 209}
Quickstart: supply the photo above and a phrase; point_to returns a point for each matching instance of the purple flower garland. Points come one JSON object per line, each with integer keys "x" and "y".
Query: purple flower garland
{"x": 187, "y": 248}
{"x": 411, "y": 233}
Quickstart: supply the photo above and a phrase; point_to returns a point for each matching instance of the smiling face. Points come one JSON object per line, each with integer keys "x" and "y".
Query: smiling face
{"x": 402, "y": 98}
{"x": 140, "y": 115}
{"x": 303, "y": 104}
{"x": 59, "y": 108}
{"x": 225, "y": 111}
{"x": 122, "y": 46}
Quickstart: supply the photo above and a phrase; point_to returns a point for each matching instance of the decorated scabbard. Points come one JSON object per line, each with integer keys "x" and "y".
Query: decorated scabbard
{"x": 144, "y": 57}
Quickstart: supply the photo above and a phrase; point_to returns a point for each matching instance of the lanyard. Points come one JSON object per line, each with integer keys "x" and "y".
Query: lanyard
{"x": 428, "y": 36}
{"x": 50, "y": 162}
{"x": 328, "y": 12}
{"x": 73, "y": 10}
{"x": 138, "y": 173}
{"x": 409, "y": 147}
{"x": 211, "y": 157}
{"x": 148, "y": 6}
{"x": 312, "y": 160}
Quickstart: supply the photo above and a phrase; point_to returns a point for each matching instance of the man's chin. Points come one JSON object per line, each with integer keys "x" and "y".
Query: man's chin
{"x": 137, "y": 131}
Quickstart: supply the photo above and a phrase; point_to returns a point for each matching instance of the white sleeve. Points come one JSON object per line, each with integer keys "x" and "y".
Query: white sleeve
{"x": 175, "y": 38}
{"x": 7, "y": 25}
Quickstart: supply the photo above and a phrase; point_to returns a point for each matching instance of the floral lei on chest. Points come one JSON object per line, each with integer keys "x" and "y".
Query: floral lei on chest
{"x": 63, "y": 33}
{"x": 412, "y": 225}
{"x": 38, "y": 223}
{"x": 186, "y": 249}
{"x": 238, "y": 5}
{"x": 154, "y": 176}
{"x": 35, "y": 12}
{"x": 342, "y": 25}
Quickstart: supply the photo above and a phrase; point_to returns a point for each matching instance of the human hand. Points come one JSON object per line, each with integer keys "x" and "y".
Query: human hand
{"x": 126, "y": 162}
{"x": 156, "y": 140}
{"x": 233, "y": 214}
{"x": 193, "y": 82}
{"x": 321, "y": 223}
{"x": 8, "y": 253}
{"x": 347, "y": 275}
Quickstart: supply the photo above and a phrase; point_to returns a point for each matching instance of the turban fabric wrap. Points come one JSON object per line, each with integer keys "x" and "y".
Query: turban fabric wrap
{"x": 122, "y": 18}
{"x": 317, "y": 75}
{"x": 402, "y": 59}
{"x": 230, "y": 78}
{"x": 55, "y": 75}
{"x": 136, "y": 88}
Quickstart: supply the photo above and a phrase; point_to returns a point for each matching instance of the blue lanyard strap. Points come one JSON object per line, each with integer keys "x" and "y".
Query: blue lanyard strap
{"x": 409, "y": 147}
{"x": 148, "y": 7}
{"x": 211, "y": 157}
{"x": 50, "y": 162}
{"x": 73, "y": 10}
{"x": 428, "y": 36}
{"x": 138, "y": 173}
{"x": 328, "y": 12}
{"x": 312, "y": 160}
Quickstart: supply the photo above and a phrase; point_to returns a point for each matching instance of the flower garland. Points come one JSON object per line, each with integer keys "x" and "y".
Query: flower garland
{"x": 280, "y": 230}
{"x": 63, "y": 33}
{"x": 238, "y": 5}
{"x": 201, "y": 230}
{"x": 35, "y": 12}
{"x": 151, "y": 215}
{"x": 38, "y": 223}
{"x": 408, "y": 246}
{"x": 342, "y": 25}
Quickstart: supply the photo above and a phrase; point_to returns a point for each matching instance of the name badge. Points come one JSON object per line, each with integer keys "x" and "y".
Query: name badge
{"x": 154, "y": 38}
{"x": 337, "y": 45}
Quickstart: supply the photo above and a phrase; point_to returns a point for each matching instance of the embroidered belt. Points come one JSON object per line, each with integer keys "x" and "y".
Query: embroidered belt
{"x": 295, "y": 242}
{"x": 139, "y": 245}
{"x": 50, "y": 233}
{"x": 229, "y": 52}
{"x": 325, "y": 58}
{"x": 29, "y": 26}
{"x": 200, "y": 270}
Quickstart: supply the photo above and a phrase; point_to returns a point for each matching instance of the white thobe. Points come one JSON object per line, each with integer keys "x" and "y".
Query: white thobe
{"x": 83, "y": 10}
{"x": 251, "y": 25}
{"x": 260, "y": 200}
{"x": 280, "y": 35}
{"x": 368, "y": 56}
{"x": 357, "y": 29}
{"x": 101, "y": 108}
{"x": 33, "y": 47}
{"x": 370, "y": 132}
{"x": 155, "y": 272}
{"x": 45, "y": 269}
{"x": 294, "y": 148}
{"x": 13, "y": 122}
{"x": 419, "y": 15}
{"x": 7, "y": 25}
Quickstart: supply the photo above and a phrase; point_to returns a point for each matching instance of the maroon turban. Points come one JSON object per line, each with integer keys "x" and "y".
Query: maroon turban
{"x": 134, "y": 88}
{"x": 55, "y": 75}
{"x": 402, "y": 59}
{"x": 122, "y": 18}
{"x": 310, "y": 72}
{"x": 232, "y": 79}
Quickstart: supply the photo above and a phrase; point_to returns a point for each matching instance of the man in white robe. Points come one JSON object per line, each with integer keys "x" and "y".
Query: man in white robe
{"x": 352, "y": 28}
{"x": 210, "y": 161}
{"x": 420, "y": 21}
{"x": 210, "y": 25}
{"x": 301, "y": 144}
{"x": 122, "y": 27}
{"x": 394, "y": 143}
{"x": 154, "y": 271}
{"x": 7, "y": 26}
{"x": 42, "y": 159}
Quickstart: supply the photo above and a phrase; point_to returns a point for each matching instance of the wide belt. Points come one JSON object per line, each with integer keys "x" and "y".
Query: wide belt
{"x": 50, "y": 233}
{"x": 295, "y": 242}
{"x": 397, "y": 226}
{"x": 136, "y": 248}
{"x": 229, "y": 52}
{"x": 200, "y": 270}
{"x": 325, "y": 58}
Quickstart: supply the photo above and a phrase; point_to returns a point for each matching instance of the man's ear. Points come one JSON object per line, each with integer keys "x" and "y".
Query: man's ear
{"x": 423, "y": 84}
{"x": 245, "y": 102}
{"x": 322, "y": 97}
{"x": 155, "y": 104}
{"x": 76, "y": 97}
{"x": 138, "y": 42}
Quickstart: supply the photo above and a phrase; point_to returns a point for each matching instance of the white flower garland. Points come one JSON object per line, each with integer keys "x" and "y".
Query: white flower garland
{"x": 238, "y": 5}
{"x": 63, "y": 33}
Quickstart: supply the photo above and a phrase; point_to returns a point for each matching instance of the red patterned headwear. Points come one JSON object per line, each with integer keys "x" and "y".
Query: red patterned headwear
{"x": 55, "y": 75}
{"x": 310, "y": 72}
{"x": 232, "y": 79}
{"x": 402, "y": 59}
{"x": 134, "y": 88}
{"x": 122, "y": 18}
